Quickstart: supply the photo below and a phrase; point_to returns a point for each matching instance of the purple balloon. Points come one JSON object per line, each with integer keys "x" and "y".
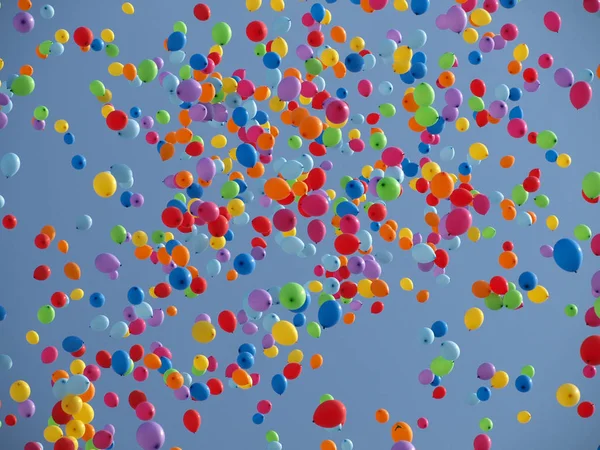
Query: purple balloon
{"x": 426, "y": 377}
{"x": 532, "y": 87}
{"x": 150, "y": 436}
{"x": 159, "y": 62}
{"x": 110, "y": 428}
{"x": 394, "y": 35}
{"x": 39, "y": 125}
{"x": 26, "y": 409}
{"x": 258, "y": 253}
{"x": 456, "y": 18}
{"x": 499, "y": 42}
{"x": 453, "y": 97}
{"x": 137, "y": 200}
{"x": 441, "y": 22}
{"x": 547, "y": 251}
{"x": 189, "y": 90}
{"x": 206, "y": 169}
{"x": 486, "y": 44}
{"x": 220, "y": 113}
{"x": 4, "y": 99}
{"x": 304, "y": 52}
{"x": 129, "y": 313}
{"x": 170, "y": 182}
{"x": 158, "y": 317}
{"x": 107, "y": 262}
{"x": 450, "y": 113}
{"x": 326, "y": 165}
{"x": 23, "y": 22}
{"x": 289, "y": 88}
{"x": 356, "y": 305}
{"x": 356, "y": 265}
{"x": 372, "y": 270}
{"x": 486, "y": 371}
{"x": 250, "y": 328}
{"x": 564, "y": 77}
{"x": 242, "y": 317}
{"x": 198, "y": 112}
{"x": 183, "y": 393}
{"x": 203, "y": 317}
{"x": 403, "y": 445}
{"x": 373, "y": 186}
{"x": 3, "y": 120}
{"x": 417, "y": 238}
{"x": 498, "y": 109}
{"x": 168, "y": 268}
{"x": 260, "y": 300}
{"x": 268, "y": 341}
{"x": 223, "y": 255}
{"x": 147, "y": 122}
{"x": 210, "y": 112}
{"x": 438, "y": 271}
{"x": 425, "y": 267}
{"x": 596, "y": 284}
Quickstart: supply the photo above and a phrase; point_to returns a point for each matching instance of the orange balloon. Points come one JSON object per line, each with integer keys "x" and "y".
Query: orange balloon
{"x": 152, "y": 361}
{"x": 175, "y": 380}
{"x": 163, "y": 256}
{"x": 58, "y": 374}
{"x": 200, "y": 76}
{"x": 232, "y": 275}
{"x": 208, "y": 93}
{"x": 89, "y": 394}
{"x": 598, "y": 71}
{"x": 339, "y": 69}
{"x": 316, "y": 361}
{"x": 184, "y": 135}
{"x": 171, "y": 137}
{"x": 506, "y": 203}
{"x": 262, "y": 93}
{"x": 89, "y": 432}
{"x": 39, "y": 54}
{"x": 72, "y": 271}
{"x": 379, "y": 164}
{"x": 63, "y": 246}
{"x": 298, "y": 115}
{"x": 401, "y": 431}
{"x": 409, "y": 104}
{"x": 184, "y": 118}
{"x": 311, "y": 128}
{"x": 405, "y": 243}
{"x": 292, "y": 72}
{"x": 180, "y": 255}
{"x": 49, "y": 231}
{"x": 338, "y": 34}
{"x": 26, "y": 70}
{"x": 193, "y": 271}
{"x": 274, "y": 131}
{"x": 328, "y": 445}
{"x": 231, "y": 126}
{"x": 129, "y": 71}
{"x": 422, "y": 296}
{"x": 380, "y": 288}
{"x": 508, "y": 260}
{"x": 167, "y": 151}
{"x": 446, "y": 79}
{"x": 432, "y": 219}
{"x": 387, "y": 233}
{"x": 507, "y": 161}
{"x": 171, "y": 311}
{"x": 349, "y": 318}
{"x": 414, "y": 126}
{"x": 514, "y": 67}
{"x": 24, "y": 5}
{"x": 533, "y": 217}
{"x": 143, "y": 252}
{"x": 241, "y": 377}
{"x": 286, "y": 117}
{"x": 493, "y": 120}
{"x": 257, "y": 171}
{"x": 366, "y": 6}
{"x": 299, "y": 188}
{"x": 509, "y": 213}
{"x": 481, "y": 289}
{"x": 265, "y": 141}
{"x": 442, "y": 185}
{"x": 277, "y": 188}
{"x": 382, "y": 416}
{"x": 464, "y": 178}
{"x": 392, "y": 223}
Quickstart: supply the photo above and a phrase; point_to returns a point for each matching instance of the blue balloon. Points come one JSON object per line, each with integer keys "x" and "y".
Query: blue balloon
{"x": 424, "y": 148}
{"x": 354, "y": 62}
{"x": 71, "y": 344}
{"x": 516, "y": 113}
{"x": 10, "y": 164}
{"x": 437, "y": 127}
{"x": 120, "y": 362}
{"x": 484, "y": 394}
{"x": 229, "y": 235}
{"x": 568, "y": 255}
{"x": 246, "y": 155}
{"x": 407, "y": 78}
{"x": 299, "y": 320}
{"x": 97, "y": 300}
{"x": 126, "y": 199}
{"x": 436, "y": 381}
{"x": 528, "y": 281}
{"x": 258, "y": 418}
{"x": 271, "y": 60}
{"x": 419, "y": 57}
{"x": 515, "y": 94}
{"x": 410, "y": 169}
{"x": 355, "y": 189}
{"x": 176, "y": 41}
{"x": 419, "y": 6}
{"x": 345, "y": 208}
{"x": 279, "y": 384}
{"x": 475, "y": 57}
{"x": 69, "y": 138}
{"x": 198, "y": 61}
{"x": 375, "y": 226}
{"x": 551, "y": 156}
{"x": 317, "y": 11}
{"x": 194, "y": 190}
{"x": 97, "y": 45}
{"x": 523, "y": 383}
{"x": 199, "y": 391}
{"x": 330, "y": 313}
{"x": 341, "y": 93}
{"x": 135, "y": 295}
{"x": 169, "y": 246}
{"x": 78, "y": 162}
{"x": 508, "y": 4}
{"x": 165, "y": 364}
{"x": 465, "y": 168}
{"x": 247, "y": 348}
{"x": 135, "y": 112}
{"x": 2, "y": 313}
{"x": 177, "y": 204}
{"x": 418, "y": 70}
{"x": 240, "y": 116}
{"x": 439, "y": 328}
{"x": 245, "y": 360}
{"x": 180, "y": 278}
{"x": 261, "y": 117}
{"x": 244, "y": 264}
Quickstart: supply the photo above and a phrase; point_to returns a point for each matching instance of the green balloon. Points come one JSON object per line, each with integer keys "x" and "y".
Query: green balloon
{"x": 46, "y": 314}
{"x": 571, "y": 310}
{"x": 112, "y": 50}
{"x": 426, "y": 116}
{"x": 528, "y": 371}
{"x": 488, "y": 233}
{"x": 292, "y": 296}
{"x": 332, "y": 136}
{"x": 441, "y": 366}
{"x": 218, "y": 98}
{"x": 314, "y": 330}
{"x": 185, "y": 72}
{"x": 45, "y": 47}
{"x": 388, "y": 189}
{"x": 345, "y": 180}
{"x": 346, "y": 301}
{"x": 197, "y": 373}
{"x": 272, "y": 436}
{"x": 476, "y": 103}
{"x": 221, "y": 33}
{"x": 163, "y": 117}
{"x": 387, "y": 110}
{"x": 89, "y": 445}
{"x": 325, "y": 298}
{"x": 260, "y": 50}
{"x": 181, "y": 197}
{"x": 541, "y": 201}
{"x": 325, "y": 397}
{"x": 494, "y": 302}
{"x": 147, "y": 70}
{"x": 367, "y": 205}
{"x": 295, "y": 142}
{"x": 591, "y": 185}
{"x": 22, "y": 86}
{"x": 378, "y": 141}
{"x": 313, "y": 66}
{"x": 519, "y": 195}
{"x": 424, "y": 94}
{"x": 189, "y": 293}
{"x": 446, "y": 61}
{"x": 118, "y": 234}
{"x": 511, "y": 286}
{"x": 597, "y": 306}
{"x": 41, "y": 113}
{"x": 51, "y": 422}
{"x": 486, "y": 424}
{"x": 158, "y": 237}
{"x": 230, "y": 189}
{"x": 180, "y": 26}
{"x": 130, "y": 368}
{"x": 547, "y": 140}
{"x": 512, "y": 299}
{"x": 582, "y": 232}
{"x": 97, "y": 88}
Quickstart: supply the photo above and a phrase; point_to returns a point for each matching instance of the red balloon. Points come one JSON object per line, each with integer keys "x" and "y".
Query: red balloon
{"x": 348, "y": 289}
{"x": 580, "y": 94}
{"x": 136, "y": 352}
{"x": 377, "y": 212}
{"x": 531, "y": 184}
{"x": 256, "y": 31}
{"x": 317, "y": 149}
{"x": 590, "y": 200}
{"x": 319, "y": 99}
{"x": 42, "y": 241}
{"x": 422, "y": 185}
{"x": 172, "y": 217}
{"x": 316, "y": 230}
{"x": 202, "y": 12}
{"x": 482, "y": 442}
{"x": 42, "y": 273}
{"x": 218, "y": 227}
{"x": 262, "y": 225}
{"x": 59, "y": 416}
{"x": 315, "y": 38}
{"x": 330, "y": 414}
{"x": 227, "y": 321}
{"x": 530, "y": 75}
{"x": 508, "y": 246}
{"x": 499, "y": 285}
{"x": 192, "y": 420}
{"x": 586, "y": 409}
{"x": 292, "y": 371}
{"x": 9, "y": 221}
{"x": 104, "y": 359}
{"x": 65, "y": 443}
{"x": 590, "y": 350}
{"x": 458, "y": 221}
{"x": 439, "y": 392}
{"x": 442, "y": 258}
{"x": 79, "y": 353}
{"x": 482, "y": 118}
{"x": 264, "y": 407}
{"x": 377, "y": 307}
{"x": 461, "y": 197}
{"x": 194, "y": 148}
{"x": 255, "y": 377}
{"x": 116, "y": 120}
{"x": 59, "y": 299}
{"x": 10, "y": 420}
{"x": 284, "y": 220}
{"x": 215, "y": 386}
{"x": 198, "y": 285}
{"x": 477, "y": 87}
{"x": 135, "y": 398}
{"x": 83, "y": 36}
{"x": 316, "y": 178}
{"x": 162, "y": 290}
{"x": 346, "y": 244}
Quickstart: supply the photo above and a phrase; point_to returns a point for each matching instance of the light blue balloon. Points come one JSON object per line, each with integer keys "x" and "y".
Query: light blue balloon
{"x": 383, "y": 257}
{"x": 277, "y": 165}
{"x": 83, "y": 223}
{"x": 442, "y": 280}
{"x": 59, "y": 390}
{"x": 10, "y": 164}
{"x": 78, "y": 384}
{"x": 143, "y": 311}
{"x": 429, "y": 209}
{"x": 308, "y": 251}
{"x": 290, "y": 170}
{"x": 218, "y": 84}
{"x": 5, "y": 363}
{"x": 386, "y": 48}
{"x": 136, "y": 82}
{"x": 423, "y": 253}
{"x": 242, "y": 219}
{"x": 473, "y": 162}
{"x": 231, "y": 384}
{"x": 502, "y": 92}
{"x": 496, "y": 197}
{"x": 131, "y": 130}
{"x": 281, "y": 25}
{"x": 331, "y": 263}
{"x": 2, "y": 202}
{"x": 450, "y": 350}
{"x": 233, "y": 100}
{"x": 170, "y": 83}
{"x": 6, "y": 109}
{"x": 370, "y": 61}
{"x": 274, "y": 445}
{"x": 365, "y": 238}
{"x": 346, "y": 150}
{"x": 385, "y": 87}
{"x": 127, "y": 184}
{"x": 200, "y": 242}
{"x": 395, "y": 172}
{"x": 118, "y": 330}
{"x": 377, "y": 173}
{"x": 213, "y": 267}
{"x": 279, "y": 237}
{"x": 472, "y": 399}
{"x": 121, "y": 172}
{"x": 586, "y": 75}
{"x": 177, "y": 57}
{"x": 416, "y": 39}
{"x": 99, "y": 323}
{"x": 219, "y": 165}
{"x": 247, "y": 196}
{"x": 187, "y": 379}
{"x": 273, "y": 78}
{"x": 426, "y": 336}
{"x": 47, "y": 12}
{"x": 307, "y": 162}
{"x": 347, "y": 444}
{"x": 524, "y": 219}
{"x": 331, "y": 286}
{"x": 250, "y": 107}
{"x": 447, "y": 153}
{"x": 292, "y": 245}
{"x": 269, "y": 320}
{"x": 357, "y": 119}
{"x": 174, "y": 100}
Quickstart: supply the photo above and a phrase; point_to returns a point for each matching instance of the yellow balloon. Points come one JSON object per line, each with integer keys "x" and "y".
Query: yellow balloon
{"x": 75, "y": 428}
{"x": 305, "y": 100}
{"x": 430, "y": 170}
{"x": 474, "y": 319}
{"x": 400, "y": 5}
{"x": 407, "y": 284}
{"x": 86, "y": 415}
{"x": 327, "y": 19}
{"x": 61, "y": 126}
{"x": 480, "y": 17}
{"x": 107, "y": 97}
{"x": 552, "y": 222}
{"x": 568, "y": 395}
{"x": 521, "y": 52}
{"x": 71, "y": 404}
{"x": 32, "y": 337}
{"x": 204, "y": 332}
{"x": 77, "y": 294}
{"x": 107, "y": 35}
{"x": 280, "y": 46}
{"x": 217, "y": 243}
{"x": 315, "y": 286}
{"x": 115, "y": 69}
{"x": 539, "y": 294}
{"x": 357, "y": 44}
{"x": 285, "y": 333}
{"x": 276, "y": 104}
{"x": 219, "y": 141}
{"x": 524, "y": 416}
{"x": 277, "y": 5}
{"x": 216, "y": 49}
{"x": 236, "y": 207}
{"x": 364, "y": 288}
{"x": 500, "y": 380}
{"x": 405, "y": 232}
{"x": 77, "y": 367}
{"x": 106, "y": 110}
{"x": 366, "y": 171}
{"x": 1, "y": 64}
{"x": 139, "y": 238}
{"x": 413, "y": 184}
{"x": 355, "y": 134}
{"x": 478, "y": 151}
{"x": 229, "y": 85}
{"x": 105, "y": 185}
{"x": 470, "y": 35}
{"x": 462, "y": 124}
{"x": 61, "y": 36}
{"x": 169, "y": 236}
{"x": 200, "y": 363}
{"x": 563, "y": 161}
{"x": 52, "y": 433}
{"x": 271, "y": 352}
{"x": 296, "y": 356}
{"x": 401, "y": 67}
{"x": 292, "y": 232}
{"x": 228, "y": 165}
{"x": 474, "y": 234}
{"x": 20, "y": 391}
{"x": 253, "y": 5}
{"x": 127, "y": 8}
{"x": 331, "y": 193}
{"x": 330, "y": 57}
{"x": 403, "y": 53}
{"x": 151, "y": 292}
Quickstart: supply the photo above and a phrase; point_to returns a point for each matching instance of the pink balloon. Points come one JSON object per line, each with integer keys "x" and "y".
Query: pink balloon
{"x": 337, "y": 111}
{"x": 580, "y": 94}
{"x": 102, "y": 439}
{"x": 49, "y": 355}
{"x": 140, "y": 374}
{"x": 284, "y": 220}
{"x": 392, "y": 156}
{"x": 314, "y": 205}
{"x": 459, "y": 220}
{"x": 349, "y": 224}
{"x": 145, "y": 411}
{"x": 517, "y": 128}
{"x": 591, "y": 6}
{"x": 589, "y": 371}
{"x": 111, "y": 399}
{"x": 482, "y": 442}
{"x": 308, "y": 89}
{"x": 591, "y": 318}
{"x": 552, "y": 21}
{"x": 365, "y": 88}
{"x": 316, "y": 230}
{"x": 481, "y": 204}
{"x": 378, "y": 5}
{"x": 595, "y": 244}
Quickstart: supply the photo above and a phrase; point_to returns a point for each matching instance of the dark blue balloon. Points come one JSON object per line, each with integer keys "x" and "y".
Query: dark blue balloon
{"x": 97, "y": 300}
{"x": 135, "y": 112}
{"x": 126, "y": 198}
{"x": 97, "y": 45}
{"x": 419, "y": 57}
{"x": 299, "y": 320}
{"x": 244, "y": 264}
{"x": 508, "y": 4}
{"x": 248, "y": 348}
{"x": 242, "y": 184}
{"x": 246, "y": 155}
{"x": 245, "y": 360}
{"x": 551, "y": 156}
{"x": 375, "y": 226}
{"x": 135, "y": 295}
{"x": 229, "y": 235}
{"x": 180, "y": 278}
{"x": 424, "y": 148}
{"x": 475, "y": 57}
{"x": 194, "y": 190}
{"x": 528, "y": 281}
{"x": 165, "y": 364}
{"x": 78, "y": 162}
{"x": 169, "y": 246}
{"x": 317, "y": 11}
{"x": 523, "y": 383}
{"x": 516, "y": 113}
{"x": 185, "y": 105}
{"x": 411, "y": 169}
{"x": 330, "y": 313}
{"x": 258, "y": 418}
{"x": 354, "y": 189}
{"x": 465, "y": 168}
{"x": 71, "y": 344}
{"x": 261, "y": 117}
{"x": 2, "y": 313}
{"x": 341, "y": 93}
{"x": 407, "y": 78}
{"x": 198, "y": 61}
{"x": 484, "y": 394}
{"x": 515, "y": 94}
{"x": 271, "y": 60}
{"x": 240, "y": 116}
{"x": 436, "y": 381}
{"x": 419, "y": 6}
{"x": 177, "y": 204}
{"x": 437, "y": 127}
{"x": 418, "y": 70}
{"x": 439, "y": 328}
{"x": 120, "y": 362}
{"x": 568, "y": 255}
{"x": 199, "y": 391}
{"x": 355, "y": 2}
{"x": 176, "y": 41}
{"x": 304, "y": 306}
{"x": 354, "y": 62}
{"x": 344, "y": 208}
{"x": 69, "y": 138}
{"x": 279, "y": 384}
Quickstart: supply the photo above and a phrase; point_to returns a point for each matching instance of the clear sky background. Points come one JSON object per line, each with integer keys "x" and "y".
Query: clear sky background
{"x": 372, "y": 364}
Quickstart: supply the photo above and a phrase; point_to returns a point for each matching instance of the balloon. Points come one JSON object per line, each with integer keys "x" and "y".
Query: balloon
{"x": 150, "y": 436}
{"x": 552, "y": 21}
{"x": 330, "y": 414}
{"x": 568, "y": 395}
{"x": 568, "y": 255}
{"x": 192, "y": 420}
{"x": 10, "y": 164}
{"x": 580, "y": 94}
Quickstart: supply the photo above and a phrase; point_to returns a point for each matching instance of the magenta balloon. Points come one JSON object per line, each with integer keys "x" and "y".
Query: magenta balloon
{"x": 314, "y": 205}
{"x": 26, "y": 409}
{"x": 308, "y": 89}
{"x": 189, "y": 90}
{"x": 403, "y": 445}
{"x": 552, "y": 21}
{"x": 102, "y": 439}
{"x": 457, "y": 19}
{"x": 482, "y": 442}
{"x": 459, "y": 221}
{"x": 453, "y": 97}
{"x": 591, "y": 318}
{"x": 49, "y": 355}
{"x": 349, "y": 224}
{"x": 564, "y": 77}
{"x": 284, "y": 220}
{"x": 596, "y": 284}
{"x": 145, "y": 411}
{"x": 289, "y": 88}
{"x": 580, "y": 94}
{"x": 365, "y": 88}
{"x": 107, "y": 262}
{"x": 316, "y": 230}
{"x": 517, "y": 128}
{"x": 337, "y": 111}
{"x": 206, "y": 169}
{"x": 481, "y": 204}
{"x": 392, "y": 156}
{"x": 150, "y": 436}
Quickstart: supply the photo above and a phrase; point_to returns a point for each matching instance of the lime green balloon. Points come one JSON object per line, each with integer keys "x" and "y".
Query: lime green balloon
{"x": 546, "y": 140}
{"x": 332, "y": 136}
{"x": 345, "y": 180}
{"x": 180, "y": 26}
{"x": 591, "y": 185}
{"x": 378, "y": 141}
{"x": 323, "y": 297}
{"x": 97, "y": 88}
{"x": 112, "y": 50}
{"x": 571, "y": 310}
{"x": 366, "y": 206}
{"x": 185, "y": 72}
{"x": 292, "y": 296}
{"x": 446, "y": 61}
{"x": 163, "y": 117}
{"x": 314, "y": 330}
{"x": 441, "y": 366}
{"x": 51, "y": 422}
{"x": 158, "y": 237}
{"x": 45, "y": 47}
{"x": 345, "y": 301}
{"x": 511, "y": 286}
{"x": 512, "y": 299}
{"x": 597, "y": 306}
{"x": 272, "y": 436}
{"x": 388, "y": 189}
{"x": 519, "y": 195}
{"x": 147, "y": 70}
{"x": 22, "y": 86}
{"x": 424, "y": 95}
{"x": 541, "y": 201}
{"x": 494, "y": 302}
{"x": 426, "y": 116}
{"x": 230, "y": 189}
{"x": 488, "y": 233}
{"x": 181, "y": 197}
{"x": 387, "y": 110}
{"x": 197, "y": 373}
{"x": 41, "y": 113}
{"x": 313, "y": 66}
{"x": 528, "y": 371}
{"x": 325, "y": 398}
{"x": 218, "y": 98}
{"x": 260, "y": 50}
{"x": 295, "y": 142}
{"x": 476, "y": 103}
{"x": 474, "y": 192}
{"x": 221, "y": 33}
{"x": 46, "y": 314}
{"x": 189, "y": 293}
{"x": 118, "y": 234}
{"x": 582, "y": 232}
{"x": 198, "y": 139}
{"x": 89, "y": 445}
{"x": 486, "y": 424}
{"x": 130, "y": 368}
